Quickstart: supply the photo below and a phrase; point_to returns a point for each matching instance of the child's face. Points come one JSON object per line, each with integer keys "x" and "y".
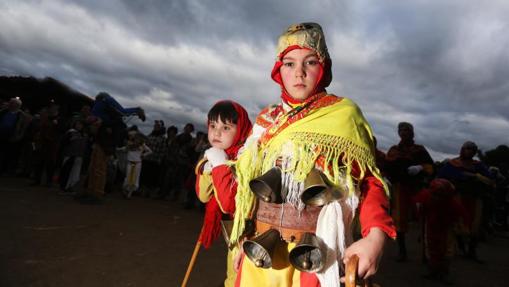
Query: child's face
{"x": 300, "y": 72}
{"x": 221, "y": 134}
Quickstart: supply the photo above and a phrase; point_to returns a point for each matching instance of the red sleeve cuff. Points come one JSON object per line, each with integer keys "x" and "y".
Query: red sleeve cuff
{"x": 374, "y": 208}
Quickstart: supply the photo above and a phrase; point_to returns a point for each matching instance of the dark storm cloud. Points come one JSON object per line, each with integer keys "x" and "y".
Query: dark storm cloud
{"x": 442, "y": 66}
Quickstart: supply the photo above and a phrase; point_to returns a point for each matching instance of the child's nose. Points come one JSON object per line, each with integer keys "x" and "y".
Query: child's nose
{"x": 299, "y": 71}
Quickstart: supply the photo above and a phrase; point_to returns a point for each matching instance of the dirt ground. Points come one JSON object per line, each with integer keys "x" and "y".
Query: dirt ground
{"x": 52, "y": 240}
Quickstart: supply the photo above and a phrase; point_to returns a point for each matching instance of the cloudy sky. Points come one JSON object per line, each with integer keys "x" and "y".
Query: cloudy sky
{"x": 442, "y": 65}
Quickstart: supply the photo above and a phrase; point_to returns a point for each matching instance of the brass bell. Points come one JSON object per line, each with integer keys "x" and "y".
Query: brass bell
{"x": 307, "y": 255}
{"x": 317, "y": 190}
{"x": 267, "y": 187}
{"x": 260, "y": 249}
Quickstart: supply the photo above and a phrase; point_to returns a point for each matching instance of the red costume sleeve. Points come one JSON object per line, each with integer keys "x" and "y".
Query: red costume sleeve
{"x": 374, "y": 207}
{"x": 226, "y": 188}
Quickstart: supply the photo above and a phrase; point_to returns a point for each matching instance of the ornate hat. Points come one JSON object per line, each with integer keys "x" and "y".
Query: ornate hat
{"x": 306, "y": 35}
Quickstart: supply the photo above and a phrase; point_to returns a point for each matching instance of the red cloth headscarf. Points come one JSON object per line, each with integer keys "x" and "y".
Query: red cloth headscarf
{"x": 323, "y": 81}
{"x": 243, "y": 130}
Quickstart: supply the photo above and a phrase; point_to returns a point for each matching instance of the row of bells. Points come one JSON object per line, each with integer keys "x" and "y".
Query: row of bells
{"x": 317, "y": 189}
{"x": 308, "y": 255}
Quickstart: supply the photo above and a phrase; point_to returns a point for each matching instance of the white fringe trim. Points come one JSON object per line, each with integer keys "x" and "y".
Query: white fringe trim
{"x": 334, "y": 229}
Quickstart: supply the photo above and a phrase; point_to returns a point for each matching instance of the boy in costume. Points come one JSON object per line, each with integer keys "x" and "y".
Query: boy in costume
{"x": 309, "y": 130}
{"x": 442, "y": 211}
{"x": 228, "y": 127}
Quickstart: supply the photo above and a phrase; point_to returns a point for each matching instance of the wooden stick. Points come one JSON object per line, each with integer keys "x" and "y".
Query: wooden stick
{"x": 351, "y": 279}
{"x": 351, "y": 271}
{"x": 191, "y": 262}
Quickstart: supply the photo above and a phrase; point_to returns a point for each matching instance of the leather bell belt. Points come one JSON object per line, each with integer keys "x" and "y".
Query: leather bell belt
{"x": 288, "y": 220}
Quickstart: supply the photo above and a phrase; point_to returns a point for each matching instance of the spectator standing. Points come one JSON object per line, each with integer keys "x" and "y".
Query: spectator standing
{"x": 136, "y": 151}
{"x": 408, "y": 165}
{"x": 152, "y": 163}
{"x": 46, "y": 147}
{"x": 183, "y": 159}
{"x": 472, "y": 180}
{"x": 13, "y": 123}
{"x": 169, "y": 181}
{"x": 73, "y": 148}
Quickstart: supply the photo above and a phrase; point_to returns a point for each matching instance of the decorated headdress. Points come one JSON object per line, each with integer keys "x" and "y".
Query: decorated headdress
{"x": 303, "y": 35}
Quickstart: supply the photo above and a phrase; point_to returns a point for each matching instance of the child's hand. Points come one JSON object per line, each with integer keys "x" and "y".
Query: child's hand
{"x": 369, "y": 249}
{"x": 216, "y": 156}
{"x": 237, "y": 260}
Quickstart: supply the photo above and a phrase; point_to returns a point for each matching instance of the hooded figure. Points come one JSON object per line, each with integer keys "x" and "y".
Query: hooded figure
{"x": 310, "y": 130}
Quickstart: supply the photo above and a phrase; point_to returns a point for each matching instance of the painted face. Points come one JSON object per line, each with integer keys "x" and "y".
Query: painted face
{"x": 221, "y": 134}
{"x": 299, "y": 73}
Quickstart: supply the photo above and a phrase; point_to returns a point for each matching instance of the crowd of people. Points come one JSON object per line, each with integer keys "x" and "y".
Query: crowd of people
{"x": 90, "y": 153}
{"x": 458, "y": 202}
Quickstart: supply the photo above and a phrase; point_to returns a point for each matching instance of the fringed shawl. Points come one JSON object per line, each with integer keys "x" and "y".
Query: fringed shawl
{"x": 330, "y": 128}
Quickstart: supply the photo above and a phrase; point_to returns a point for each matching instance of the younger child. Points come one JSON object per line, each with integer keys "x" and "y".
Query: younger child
{"x": 228, "y": 127}
{"x": 441, "y": 210}
{"x": 136, "y": 150}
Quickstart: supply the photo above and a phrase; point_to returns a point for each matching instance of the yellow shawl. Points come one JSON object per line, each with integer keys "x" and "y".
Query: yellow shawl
{"x": 334, "y": 130}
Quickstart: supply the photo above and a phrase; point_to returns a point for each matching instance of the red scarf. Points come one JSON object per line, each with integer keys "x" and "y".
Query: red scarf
{"x": 243, "y": 130}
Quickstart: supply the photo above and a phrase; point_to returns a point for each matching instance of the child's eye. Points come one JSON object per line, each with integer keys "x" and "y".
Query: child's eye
{"x": 312, "y": 62}
{"x": 226, "y": 128}
{"x": 288, "y": 64}
{"x": 212, "y": 126}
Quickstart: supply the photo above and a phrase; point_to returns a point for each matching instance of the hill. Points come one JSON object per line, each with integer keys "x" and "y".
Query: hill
{"x": 37, "y": 93}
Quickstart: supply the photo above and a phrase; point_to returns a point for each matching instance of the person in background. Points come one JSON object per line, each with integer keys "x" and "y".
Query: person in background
{"x": 198, "y": 144}
{"x": 169, "y": 181}
{"x": 103, "y": 148}
{"x": 408, "y": 166}
{"x": 136, "y": 151}
{"x": 46, "y": 147}
{"x": 183, "y": 160}
{"x": 472, "y": 180}
{"x": 152, "y": 173}
{"x": 442, "y": 212}
{"x": 13, "y": 123}
{"x": 73, "y": 148}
